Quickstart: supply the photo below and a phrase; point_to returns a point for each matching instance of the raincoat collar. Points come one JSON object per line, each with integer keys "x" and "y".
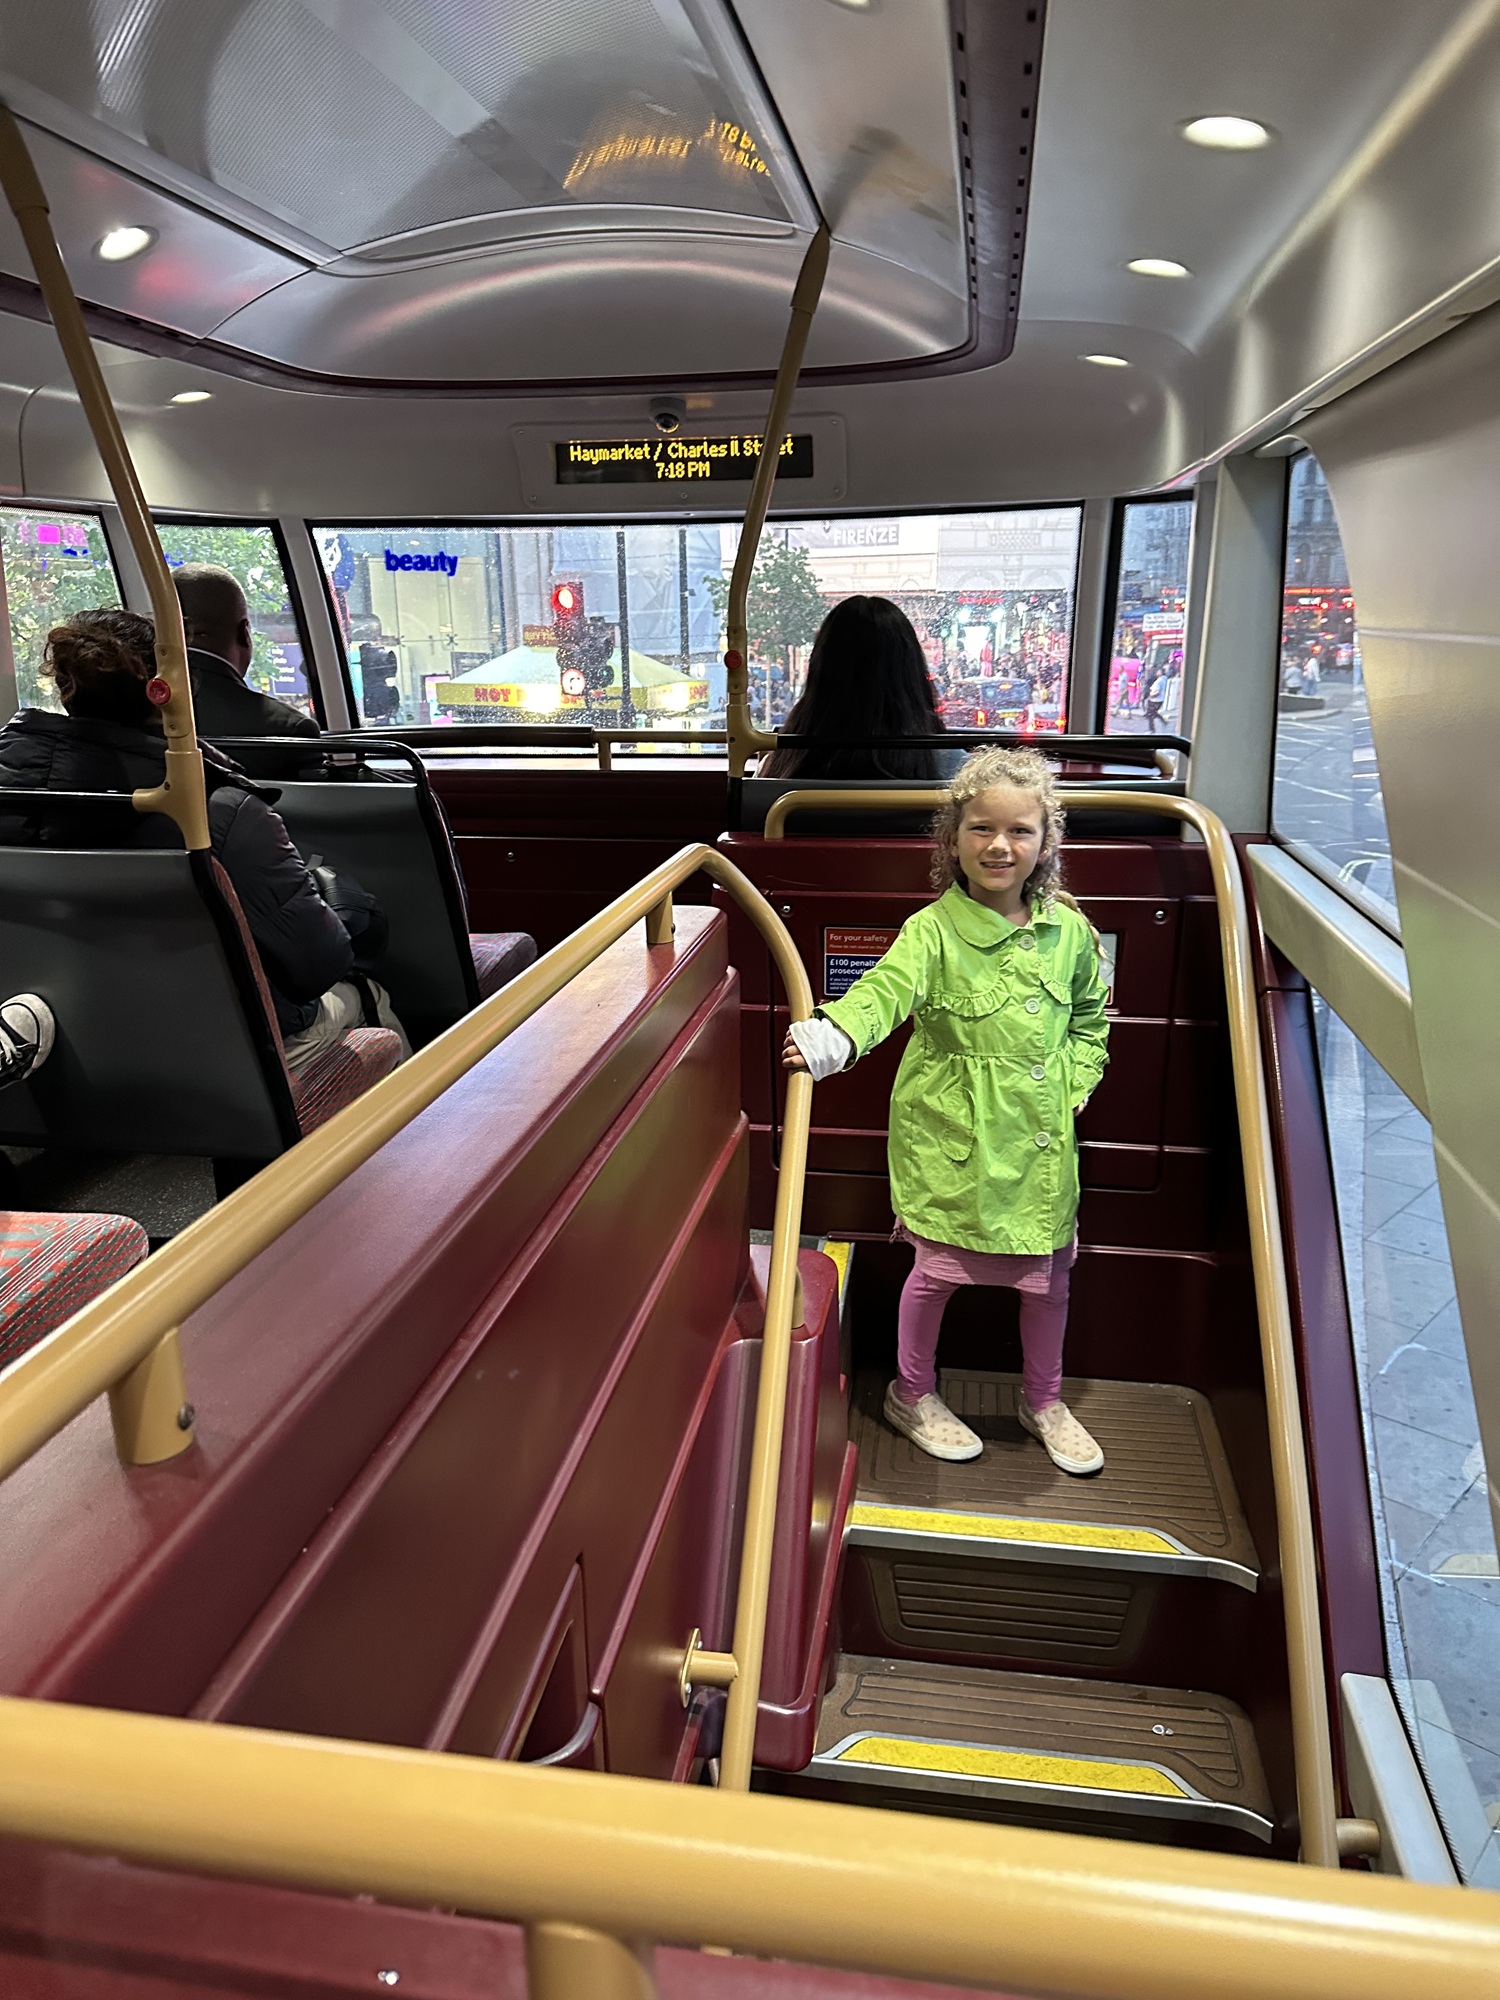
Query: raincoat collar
{"x": 978, "y": 925}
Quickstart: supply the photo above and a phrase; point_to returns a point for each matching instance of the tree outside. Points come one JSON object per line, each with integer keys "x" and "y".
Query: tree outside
{"x": 252, "y": 558}
{"x": 55, "y": 564}
{"x": 785, "y": 607}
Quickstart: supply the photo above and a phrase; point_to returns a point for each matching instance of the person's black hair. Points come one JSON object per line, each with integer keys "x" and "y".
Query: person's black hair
{"x": 867, "y": 677}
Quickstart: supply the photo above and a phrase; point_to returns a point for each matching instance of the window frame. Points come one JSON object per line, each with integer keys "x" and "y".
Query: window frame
{"x": 320, "y": 524}
{"x": 1176, "y": 497}
{"x": 95, "y": 510}
{"x": 181, "y": 518}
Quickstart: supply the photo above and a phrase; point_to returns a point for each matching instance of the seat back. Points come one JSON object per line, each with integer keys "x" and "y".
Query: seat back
{"x": 388, "y": 832}
{"x": 758, "y": 795}
{"x": 164, "y": 1044}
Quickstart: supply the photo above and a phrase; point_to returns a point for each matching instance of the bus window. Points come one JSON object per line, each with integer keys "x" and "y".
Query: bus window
{"x": 253, "y": 557}
{"x": 1326, "y": 788}
{"x": 54, "y": 563}
{"x": 1143, "y": 677}
{"x": 530, "y": 625}
{"x": 1435, "y": 1539}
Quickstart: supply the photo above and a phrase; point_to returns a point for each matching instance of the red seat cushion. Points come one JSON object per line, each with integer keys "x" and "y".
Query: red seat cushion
{"x": 341, "y": 1073}
{"x": 498, "y": 957}
{"x": 52, "y": 1265}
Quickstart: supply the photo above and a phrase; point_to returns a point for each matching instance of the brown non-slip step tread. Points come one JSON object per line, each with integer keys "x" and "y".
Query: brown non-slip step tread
{"x": 1094, "y": 1745}
{"x": 1165, "y": 1500}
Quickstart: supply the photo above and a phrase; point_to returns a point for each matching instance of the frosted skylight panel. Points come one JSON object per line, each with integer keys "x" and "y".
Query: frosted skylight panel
{"x": 359, "y": 123}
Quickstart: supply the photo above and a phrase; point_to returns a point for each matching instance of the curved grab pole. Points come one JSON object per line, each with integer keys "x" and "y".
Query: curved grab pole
{"x": 181, "y": 792}
{"x": 744, "y": 737}
{"x": 1317, "y": 1807}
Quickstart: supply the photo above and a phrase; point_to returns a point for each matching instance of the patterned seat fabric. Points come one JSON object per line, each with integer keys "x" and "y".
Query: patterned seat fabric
{"x": 498, "y": 957}
{"x": 342, "y": 1073}
{"x": 52, "y": 1265}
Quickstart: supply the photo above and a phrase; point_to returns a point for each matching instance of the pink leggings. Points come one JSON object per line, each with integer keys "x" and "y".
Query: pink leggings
{"x": 1044, "y": 1319}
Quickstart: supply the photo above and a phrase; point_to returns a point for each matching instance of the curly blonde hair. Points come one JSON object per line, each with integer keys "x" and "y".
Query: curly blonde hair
{"x": 1027, "y": 771}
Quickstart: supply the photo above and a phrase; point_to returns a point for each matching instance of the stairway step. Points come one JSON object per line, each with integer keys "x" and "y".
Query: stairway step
{"x": 1032, "y": 1741}
{"x": 1165, "y": 1502}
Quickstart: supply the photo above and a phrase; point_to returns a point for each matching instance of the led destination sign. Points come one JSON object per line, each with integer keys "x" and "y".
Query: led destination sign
{"x": 644, "y": 461}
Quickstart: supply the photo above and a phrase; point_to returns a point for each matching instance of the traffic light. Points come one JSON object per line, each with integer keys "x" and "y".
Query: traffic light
{"x": 567, "y": 610}
{"x": 572, "y": 634}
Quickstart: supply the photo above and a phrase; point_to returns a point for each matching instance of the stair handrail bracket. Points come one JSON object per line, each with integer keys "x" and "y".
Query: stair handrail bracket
{"x": 1317, "y": 1803}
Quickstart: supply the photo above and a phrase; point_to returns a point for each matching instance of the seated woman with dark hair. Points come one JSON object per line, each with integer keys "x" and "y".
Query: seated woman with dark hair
{"x": 111, "y": 740}
{"x": 867, "y": 678}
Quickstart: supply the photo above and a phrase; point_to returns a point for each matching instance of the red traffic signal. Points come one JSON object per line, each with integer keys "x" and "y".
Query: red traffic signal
{"x": 567, "y": 605}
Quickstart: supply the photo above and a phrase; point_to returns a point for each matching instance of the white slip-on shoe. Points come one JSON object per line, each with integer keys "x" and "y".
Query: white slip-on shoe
{"x": 1063, "y": 1438}
{"x": 27, "y": 1032}
{"x": 931, "y": 1426}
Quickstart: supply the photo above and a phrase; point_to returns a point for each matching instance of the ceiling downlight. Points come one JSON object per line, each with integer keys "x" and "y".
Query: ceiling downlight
{"x": 1158, "y": 267}
{"x": 1223, "y": 132}
{"x": 116, "y": 246}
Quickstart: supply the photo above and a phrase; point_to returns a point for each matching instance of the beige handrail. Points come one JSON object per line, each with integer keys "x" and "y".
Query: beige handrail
{"x": 98, "y": 1348}
{"x": 922, "y": 1897}
{"x": 744, "y": 738}
{"x": 605, "y": 740}
{"x": 1317, "y": 1807}
{"x": 181, "y": 792}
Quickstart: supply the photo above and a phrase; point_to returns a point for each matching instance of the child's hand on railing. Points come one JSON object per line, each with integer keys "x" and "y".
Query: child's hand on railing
{"x": 818, "y": 1046}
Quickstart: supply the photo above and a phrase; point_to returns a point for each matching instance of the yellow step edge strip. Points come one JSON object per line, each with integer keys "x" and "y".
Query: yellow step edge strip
{"x": 1010, "y": 1528}
{"x": 966, "y": 1760}
{"x": 839, "y": 1251}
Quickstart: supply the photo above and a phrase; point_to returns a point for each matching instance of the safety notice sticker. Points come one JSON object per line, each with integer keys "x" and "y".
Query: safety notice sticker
{"x": 848, "y": 953}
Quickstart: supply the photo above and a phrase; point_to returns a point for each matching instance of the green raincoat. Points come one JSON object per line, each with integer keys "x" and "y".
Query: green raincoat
{"x": 1008, "y": 1043}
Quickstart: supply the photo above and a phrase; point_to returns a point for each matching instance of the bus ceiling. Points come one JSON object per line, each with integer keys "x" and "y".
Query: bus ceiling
{"x": 632, "y": 196}
{"x": 587, "y": 207}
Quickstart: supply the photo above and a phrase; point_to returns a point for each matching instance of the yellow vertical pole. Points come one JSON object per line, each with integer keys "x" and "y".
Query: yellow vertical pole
{"x": 181, "y": 793}
{"x": 744, "y": 737}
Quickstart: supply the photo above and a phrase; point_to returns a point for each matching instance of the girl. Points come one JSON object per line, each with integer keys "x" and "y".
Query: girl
{"x": 1001, "y": 977}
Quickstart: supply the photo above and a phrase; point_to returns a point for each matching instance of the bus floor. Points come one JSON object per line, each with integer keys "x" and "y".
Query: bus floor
{"x": 1017, "y": 1644}
{"x": 163, "y": 1193}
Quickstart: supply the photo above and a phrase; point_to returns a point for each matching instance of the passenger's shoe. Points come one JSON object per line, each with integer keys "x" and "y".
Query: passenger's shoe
{"x": 27, "y": 1032}
{"x": 931, "y": 1426}
{"x": 1063, "y": 1438}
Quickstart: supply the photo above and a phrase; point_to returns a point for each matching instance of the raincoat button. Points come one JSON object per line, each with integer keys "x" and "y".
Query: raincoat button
{"x": 1039, "y": 1071}
{"x": 1028, "y": 942}
{"x": 1033, "y": 1006}
{"x": 1042, "y": 1139}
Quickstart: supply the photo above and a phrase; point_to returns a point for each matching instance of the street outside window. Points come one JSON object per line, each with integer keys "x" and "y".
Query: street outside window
{"x": 624, "y": 626}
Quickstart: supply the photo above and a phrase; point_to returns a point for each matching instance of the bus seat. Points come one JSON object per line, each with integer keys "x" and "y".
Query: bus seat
{"x": 52, "y": 1265}
{"x": 167, "y": 1040}
{"x": 498, "y": 957}
{"x": 758, "y": 795}
{"x": 387, "y": 830}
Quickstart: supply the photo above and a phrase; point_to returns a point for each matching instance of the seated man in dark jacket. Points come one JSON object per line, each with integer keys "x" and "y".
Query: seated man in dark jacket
{"x": 216, "y": 621}
{"x": 111, "y": 740}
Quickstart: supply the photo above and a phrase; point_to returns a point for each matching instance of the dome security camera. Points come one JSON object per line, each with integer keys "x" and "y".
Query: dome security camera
{"x": 667, "y": 413}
